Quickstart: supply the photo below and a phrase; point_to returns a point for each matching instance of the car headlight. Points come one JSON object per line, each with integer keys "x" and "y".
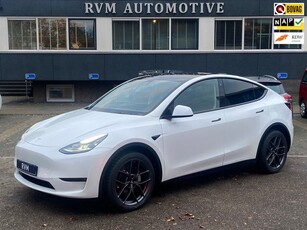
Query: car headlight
{"x": 84, "y": 145}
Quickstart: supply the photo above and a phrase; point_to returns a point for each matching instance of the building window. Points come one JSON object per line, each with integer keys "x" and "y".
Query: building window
{"x": 82, "y": 34}
{"x": 60, "y": 93}
{"x": 155, "y": 34}
{"x": 126, "y": 35}
{"x": 258, "y": 33}
{"x": 22, "y": 34}
{"x": 52, "y": 34}
{"x": 228, "y": 35}
{"x": 184, "y": 34}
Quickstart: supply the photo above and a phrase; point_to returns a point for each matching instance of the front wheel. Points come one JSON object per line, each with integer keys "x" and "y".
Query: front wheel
{"x": 129, "y": 181}
{"x": 303, "y": 111}
{"x": 272, "y": 154}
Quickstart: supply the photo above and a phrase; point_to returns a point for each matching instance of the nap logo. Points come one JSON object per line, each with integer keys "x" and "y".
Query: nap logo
{"x": 288, "y": 8}
{"x": 286, "y": 23}
{"x": 283, "y": 21}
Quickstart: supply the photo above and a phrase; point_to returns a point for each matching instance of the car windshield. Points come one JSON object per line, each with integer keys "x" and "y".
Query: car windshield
{"x": 137, "y": 97}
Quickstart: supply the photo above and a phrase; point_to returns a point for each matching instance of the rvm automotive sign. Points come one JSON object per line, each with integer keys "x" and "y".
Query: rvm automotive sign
{"x": 154, "y": 8}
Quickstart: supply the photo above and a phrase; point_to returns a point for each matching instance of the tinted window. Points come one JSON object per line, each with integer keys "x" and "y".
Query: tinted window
{"x": 228, "y": 34}
{"x": 238, "y": 92}
{"x": 201, "y": 96}
{"x": 126, "y": 35}
{"x": 184, "y": 34}
{"x": 278, "y": 88}
{"x": 258, "y": 33}
{"x": 305, "y": 77}
{"x": 155, "y": 34}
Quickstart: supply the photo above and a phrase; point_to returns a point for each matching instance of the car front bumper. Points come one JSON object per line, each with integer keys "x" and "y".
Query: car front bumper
{"x": 74, "y": 175}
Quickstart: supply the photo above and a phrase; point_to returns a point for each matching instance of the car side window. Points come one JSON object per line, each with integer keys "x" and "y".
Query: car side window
{"x": 201, "y": 96}
{"x": 305, "y": 77}
{"x": 239, "y": 92}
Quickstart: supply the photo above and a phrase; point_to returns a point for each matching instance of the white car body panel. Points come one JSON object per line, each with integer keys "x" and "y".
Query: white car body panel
{"x": 241, "y": 126}
{"x": 193, "y": 144}
{"x": 183, "y": 145}
{"x": 54, "y": 164}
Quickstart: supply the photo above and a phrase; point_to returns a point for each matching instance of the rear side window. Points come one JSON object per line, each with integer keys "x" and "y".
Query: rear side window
{"x": 305, "y": 77}
{"x": 239, "y": 92}
{"x": 278, "y": 88}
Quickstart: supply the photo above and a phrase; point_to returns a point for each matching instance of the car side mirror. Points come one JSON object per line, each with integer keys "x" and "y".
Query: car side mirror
{"x": 182, "y": 111}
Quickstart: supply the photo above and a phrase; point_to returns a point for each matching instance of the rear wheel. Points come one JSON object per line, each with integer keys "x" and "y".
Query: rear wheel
{"x": 129, "y": 181}
{"x": 272, "y": 154}
{"x": 303, "y": 111}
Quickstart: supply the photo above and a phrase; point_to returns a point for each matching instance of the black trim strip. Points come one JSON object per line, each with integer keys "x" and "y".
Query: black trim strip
{"x": 36, "y": 181}
{"x": 74, "y": 179}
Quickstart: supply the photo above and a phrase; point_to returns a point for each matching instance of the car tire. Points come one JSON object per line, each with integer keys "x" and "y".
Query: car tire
{"x": 303, "y": 111}
{"x": 272, "y": 153}
{"x": 129, "y": 182}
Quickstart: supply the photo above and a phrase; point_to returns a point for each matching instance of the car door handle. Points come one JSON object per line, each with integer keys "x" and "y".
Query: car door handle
{"x": 217, "y": 120}
{"x": 260, "y": 111}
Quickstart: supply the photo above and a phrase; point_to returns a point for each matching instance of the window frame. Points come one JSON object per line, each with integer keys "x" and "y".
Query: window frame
{"x": 224, "y": 20}
{"x": 225, "y": 103}
{"x": 168, "y": 36}
{"x": 60, "y": 86}
{"x": 304, "y": 79}
{"x": 172, "y": 36}
{"x": 34, "y": 19}
{"x": 39, "y": 32}
{"x": 127, "y": 20}
{"x": 271, "y": 32}
{"x": 94, "y": 34}
{"x": 172, "y": 105}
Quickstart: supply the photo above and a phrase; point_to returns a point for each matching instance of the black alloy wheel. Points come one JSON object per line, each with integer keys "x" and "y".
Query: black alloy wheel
{"x": 273, "y": 152}
{"x": 130, "y": 181}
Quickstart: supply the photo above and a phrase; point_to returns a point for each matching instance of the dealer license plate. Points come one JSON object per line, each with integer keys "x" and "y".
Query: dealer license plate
{"x": 27, "y": 168}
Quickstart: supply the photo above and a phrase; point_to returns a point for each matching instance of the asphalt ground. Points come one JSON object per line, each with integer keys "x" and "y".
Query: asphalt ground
{"x": 237, "y": 197}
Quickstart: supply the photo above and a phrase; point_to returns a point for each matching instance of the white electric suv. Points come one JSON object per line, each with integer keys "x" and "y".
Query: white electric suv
{"x": 152, "y": 129}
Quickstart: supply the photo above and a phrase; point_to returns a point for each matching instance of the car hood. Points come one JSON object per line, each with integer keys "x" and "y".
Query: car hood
{"x": 72, "y": 127}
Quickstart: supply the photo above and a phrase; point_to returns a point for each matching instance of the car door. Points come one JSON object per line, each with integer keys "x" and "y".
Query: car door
{"x": 195, "y": 143}
{"x": 244, "y": 114}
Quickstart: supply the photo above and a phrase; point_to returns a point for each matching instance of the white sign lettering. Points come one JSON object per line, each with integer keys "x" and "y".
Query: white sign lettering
{"x": 91, "y": 8}
{"x": 155, "y": 8}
